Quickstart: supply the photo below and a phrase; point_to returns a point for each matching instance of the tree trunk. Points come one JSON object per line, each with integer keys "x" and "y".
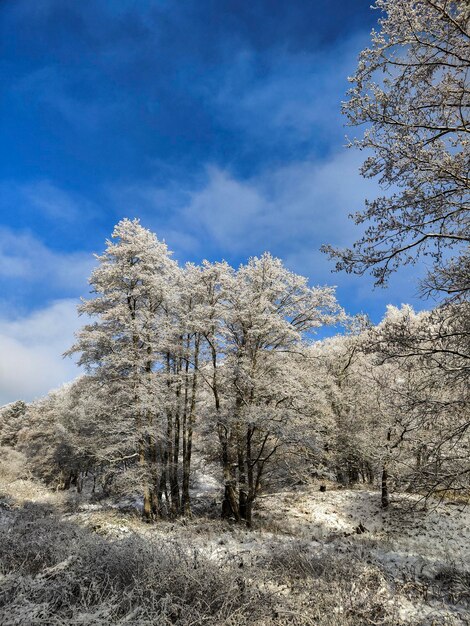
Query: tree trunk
{"x": 154, "y": 501}
{"x": 385, "y": 495}
{"x": 229, "y": 503}
{"x": 67, "y": 482}
{"x": 242, "y": 484}
{"x": 174, "y": 482}
{"x": 147, "y": 509}
{"x": 162, "y": 483}
{"x": 249, "y": 512}
{"x": 250, "y": 476}
{"x": 147, "y": 512}
{"x": 186, "y": 504}
{"x": 80, "y": 482}
{"x": 169, "y": 461}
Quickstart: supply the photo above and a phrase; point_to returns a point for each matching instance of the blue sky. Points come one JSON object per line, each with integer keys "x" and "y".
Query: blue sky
{"x": 216, "y": 122}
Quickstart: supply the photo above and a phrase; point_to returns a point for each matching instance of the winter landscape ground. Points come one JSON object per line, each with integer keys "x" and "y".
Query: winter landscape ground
{"x": 313, "y": 557}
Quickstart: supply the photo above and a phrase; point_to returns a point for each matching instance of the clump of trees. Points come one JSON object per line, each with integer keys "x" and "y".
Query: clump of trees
{"x": 167, "y": 347}
{"x": 225, "y": 357}
{"x": 399, "y": 395}
{"x": 411, "y": 91}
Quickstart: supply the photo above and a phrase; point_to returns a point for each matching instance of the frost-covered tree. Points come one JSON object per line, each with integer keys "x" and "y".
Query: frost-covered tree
{"x": 344, "y": 372}
{"x": 121, "y": 348}
{"x": 411, "y": 91}
{"x": 399, "y": 396}
{"x": 52, "y": 452}
{"x": 430, "y": 399}
{"x": 266, "y": 310}
{"x": 12, "y": 419}
{"x": 181, "y": 358}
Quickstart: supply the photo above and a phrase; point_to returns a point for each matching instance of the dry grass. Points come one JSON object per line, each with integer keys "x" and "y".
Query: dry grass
{"x": 55, "y": 572}
{"x": 65, "y": 564}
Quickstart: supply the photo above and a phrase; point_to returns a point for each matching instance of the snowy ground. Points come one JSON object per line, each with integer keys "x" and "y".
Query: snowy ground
{"x": 406, "y": 541}
{"x": 415, "y": 551}
{"x": 403, "y": 537}
{"x": 412, "y": 546}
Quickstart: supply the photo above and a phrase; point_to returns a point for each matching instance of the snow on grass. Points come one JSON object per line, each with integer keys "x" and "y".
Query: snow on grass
{"x": 409, "y": 543}
{"x": 440, "y": 534}
{"x": 307, "y": 532}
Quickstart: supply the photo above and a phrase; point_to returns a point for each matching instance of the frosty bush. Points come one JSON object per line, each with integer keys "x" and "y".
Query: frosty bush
{"x": 55, "y": 572}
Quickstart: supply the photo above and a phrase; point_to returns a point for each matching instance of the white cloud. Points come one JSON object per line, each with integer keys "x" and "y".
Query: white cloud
{"x": 287, "y": 210}
{"x": 51, "y": 201}
{"x": 289, "y": 96}
{"x": 24, "y": 257}
{"x": 30, "y": 351}
{"x": 49, "y": 86}
{"x": 44, "y": 198}
{"x": 230, "y": 211}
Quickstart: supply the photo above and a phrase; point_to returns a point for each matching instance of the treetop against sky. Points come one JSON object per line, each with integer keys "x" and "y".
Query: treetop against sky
{"x": 217, "y": 123}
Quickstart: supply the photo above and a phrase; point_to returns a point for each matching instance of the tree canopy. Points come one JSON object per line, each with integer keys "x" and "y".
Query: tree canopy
{"x": 411, "y": 92}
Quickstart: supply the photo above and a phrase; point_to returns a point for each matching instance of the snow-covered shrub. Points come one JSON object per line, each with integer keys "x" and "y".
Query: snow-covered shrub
{"x": 13, "y": 465}
{"x": 333, "y": 589}
{"x": 56, "y": 572}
